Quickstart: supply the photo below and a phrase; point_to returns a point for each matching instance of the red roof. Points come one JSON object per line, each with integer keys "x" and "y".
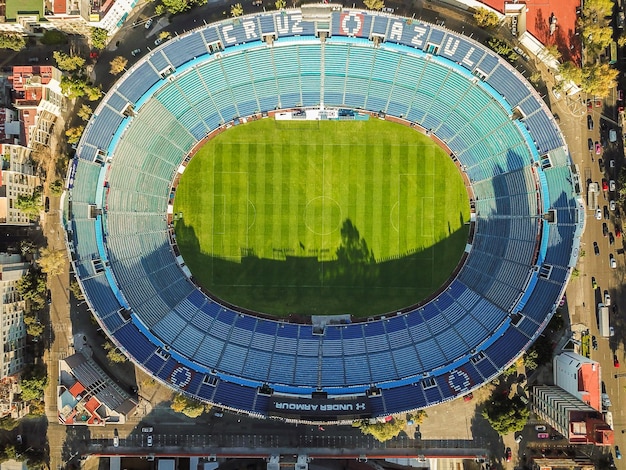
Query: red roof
{"x": 23, "y": 75}
{"x": 59, "y": 7}
{"x": 538, "y": 23}
{"x": 76, "y": 389}
{"x": 589, "y": 385}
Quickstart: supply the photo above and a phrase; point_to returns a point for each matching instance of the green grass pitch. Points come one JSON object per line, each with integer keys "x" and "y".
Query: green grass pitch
{"x": 263, "y": 206}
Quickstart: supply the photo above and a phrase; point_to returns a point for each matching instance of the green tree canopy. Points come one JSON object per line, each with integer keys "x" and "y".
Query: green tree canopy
{"x": 187, "y": 406}
{"x": 73, "y": 134}
{"x": 68, "y": 63}
{"x": 118, "y": 64}
{"x": 33, "y": 383}
{"x": 56, "y": 187}
{"x": 374, "y": 4}
{"x": 53, "y": 37}
{"x": 506, "y": 415}
{"x": 486, "y": 18}
{"x": 51, "y": 261}
{"x": 381, "y": 431}
{"x": 12, "y": 41}
{"x": 85, "y": 112}
{"x": 236, "y": 10}
{"x": 30, "y": 204}
{"x": 280, "y": 4}
{"x": 178, "y": 6}
{"x": 99, "y": 37}
{"x": 114, "y": 355}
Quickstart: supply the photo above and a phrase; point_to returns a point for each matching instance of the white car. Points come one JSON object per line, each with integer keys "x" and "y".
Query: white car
{"x": 611, "y": 185}
{"x": 607, "y": 299}
{"x": 135, "y": 52}
{"x": 148, "y": 23}
{"x": 612, "y": 135}
{"x": 611, "y": 331}
{"x": 612, "y": 204}
{"x": 116, "y": 441}
{"x": 149, "y": 440}
{"x": 598, "y": 214}
{"x": 612, "y": 261}
{"x": 158, "y": 41}
{"x": 387, "y": 10}
{"x": 540, "y": 428}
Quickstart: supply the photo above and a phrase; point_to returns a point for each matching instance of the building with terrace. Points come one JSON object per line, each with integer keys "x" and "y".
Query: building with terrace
{"x": 88, "y": 397}
{"x": 527, "y": 220}
{"x": 12, "y": 329}
{"x": 17, "y": 178}
{"x": 38, "y": 99}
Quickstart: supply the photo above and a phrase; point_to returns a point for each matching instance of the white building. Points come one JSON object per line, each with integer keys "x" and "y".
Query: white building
{"x": 17, "y": 177}
{"x": 579, "y": 376}
{"x": 12, "y": 328}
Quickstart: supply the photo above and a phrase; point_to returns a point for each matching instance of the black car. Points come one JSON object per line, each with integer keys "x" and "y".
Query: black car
{"x": 602, "y": 126}
{"x": 605, "y": 229}
{"x": 601, "y": 165}
{"x": 589, "y": 123}
{"x": 594, "y": 343}
{"x": 607, "y": 216}
{"x": 611, "y": 238}
{"x": 590, "y": 144}
{"x": 596, "y": 248}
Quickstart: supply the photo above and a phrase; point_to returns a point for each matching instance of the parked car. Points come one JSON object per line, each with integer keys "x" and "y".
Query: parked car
{"x": 611, "y": 163}
{"x": 543, "y": 435}
{"x": 149, "y": 440}
{"x": 611, "y": 238}
{"x": 612, "y": 261}
{"x": 598, "y": 148}
{"x": 607, "y": 216}
{"x": 18, "y": 438}
{"x": 148, "y": 23}
{"x": 116, "y": 441}
{"x": 616, "y": 361}
{"x": 612, "y": 185}
{"x": 596, "y": 248}
{"x": 618, "y": 454}
{"x": 605, "y": 185}
{"x": 607, "y": 298}
{"x": 540, "y": 428}
{"x": 158, "y": 41}
{"x": 605, "y": 229}
{"x": 507, "y": 454}
{"x": 589, "y": 121}
{"x": 612, "y": 204}
{"x": 518, "y": 438}
{"x": 598, "y": 214}
{"x": 612, "y": 333}
{"x": 612, "y": 135}
{"x": 590, "y": 144}
{"x": 135, "y": 52}
{"x": 594, "y": 284}
{"x": 601, "y": 165}
{"x": 147, "y": 429}
{"x": 594, "y": 342}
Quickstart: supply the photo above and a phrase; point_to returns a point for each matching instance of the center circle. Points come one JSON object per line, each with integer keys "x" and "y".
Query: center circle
{"x": 297, "y": 218}
{"x": 322, "y": 215}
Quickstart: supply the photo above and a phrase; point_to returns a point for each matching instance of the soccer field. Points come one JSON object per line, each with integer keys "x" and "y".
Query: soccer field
{"x": 264, "y": 206}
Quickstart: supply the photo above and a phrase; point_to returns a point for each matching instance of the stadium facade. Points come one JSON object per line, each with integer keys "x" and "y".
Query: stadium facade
{"x": 527, "y": 214}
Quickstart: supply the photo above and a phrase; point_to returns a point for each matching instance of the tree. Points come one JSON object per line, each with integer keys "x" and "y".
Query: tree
{"x": 68, "y": 63}
{"x": 114, "y": 355}
{"x": 12, "y": 41}
{"x": 75, "y": 288}
{"x": 503, "y": 48}
{"x": 374, "y": 4}
{"x": 417, "y": 417}
{"x": 51, "y": 261}
{"x": 187, "y": 406}
{"x": 621, "y": 40}
{"x": 597, "y": 37}
{"x": 35, "y": 329}
{"x": 381, "y": 431}
{"x": 599, "y": 79}
{"x": 8, "y": 424}
{"x": 99, "y": 37}
{"x": 53, "y": 37}
{"x": 597, "y": 8}
{"x": 93, "y": 92}
{"x": 31, "y": 204}
{"x": 34, "y": 382}
{"x": 73, "y": 134}
{"x": 280, "y": 4}
{"x": 553, "y": 50}
{"x": 486, "y": 18}
{"x": 506, "y": 415}
{"x": 56, "y": 187}
{"x": 32, "y": 287}
{"x": 85, "y": 112}
{"x": 118, "y": 65}
{"x": 530, "y": 359}
{"x": 73, "y": 87}
{"x": 178, "y": 6}
{"x": 236, "y": 10}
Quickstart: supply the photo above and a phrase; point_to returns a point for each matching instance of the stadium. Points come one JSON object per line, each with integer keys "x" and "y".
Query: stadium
{"x": 526, "y": 213}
